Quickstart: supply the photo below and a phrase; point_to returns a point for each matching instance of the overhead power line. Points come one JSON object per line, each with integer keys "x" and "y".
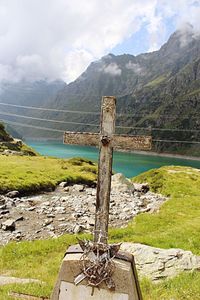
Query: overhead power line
{"x": 31, "y": 126}
{"x": 92, "y": 112}
{"x": 48, "y": 120}
{"x": 158, "y": 129}
{"x": 52, "y": 109}
{"x": 96, "y": 125}
{"x": 57, "y": 130}
{"x": 155, "y": 114}
{"x": 176, "y": 141}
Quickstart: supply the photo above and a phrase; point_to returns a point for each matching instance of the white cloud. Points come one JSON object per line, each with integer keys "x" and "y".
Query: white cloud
{"x": 179, "y": 13}
{"x": 135, "y": 67}
{"x": 58, "y": 38}
{"x": 112, "y": 69}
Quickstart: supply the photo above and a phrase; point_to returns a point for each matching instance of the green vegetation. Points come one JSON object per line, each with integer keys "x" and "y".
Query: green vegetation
{"x": 8, "y": 143}
{"x": 156, "y": 81}
{"x": 195, "y": 92}
{"x": 18, "y": 147}
{"x": 31, "y": 174}
{"x": 4, "y": 136}
{"x": 177, "y": 224}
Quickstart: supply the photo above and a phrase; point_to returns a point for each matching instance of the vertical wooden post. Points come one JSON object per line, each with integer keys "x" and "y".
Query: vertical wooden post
{"x": 108, "y": 109}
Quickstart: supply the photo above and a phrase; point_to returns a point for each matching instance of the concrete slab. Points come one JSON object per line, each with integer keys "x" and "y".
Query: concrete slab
{"x": 70, "y": 291}
{"x": 124, "y": 276}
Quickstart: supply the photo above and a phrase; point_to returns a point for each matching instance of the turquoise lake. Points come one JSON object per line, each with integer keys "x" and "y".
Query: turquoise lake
{"x": 130, "y": 164}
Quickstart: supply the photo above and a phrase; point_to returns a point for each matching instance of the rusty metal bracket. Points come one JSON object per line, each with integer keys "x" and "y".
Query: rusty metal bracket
{"x": 105, "y": 139}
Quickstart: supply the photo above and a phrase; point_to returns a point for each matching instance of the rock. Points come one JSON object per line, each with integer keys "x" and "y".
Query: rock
{"x": 61, "y": 219}
{"x": 66, "y": 189}
{"x": 121, "y": 184}
{"x": 141, "y": 187}
{"x": 3, "y": 207}
{"x": 157, "y": 264}
{"x": 18, "y": 235}
{"x": 60, "y": 210}
{"x": 46, "y": 203}
{"x": 9, "y": 225}
{"x": 31, "y": 208}
{"x": 19, "y": 218}
{"x": 50, "y": 216}
{"x": 63, "y": 199}
{"x": 93, "y": 192}
{"x": 63, "y": 225}
{"x": 78, "y": 229}
{"x": 47, "y": 222}
{"x": 4, "y": 212}
{"x": 91, "y": 221}
{"x": 12, "y": 194}
{"x": 63, "y": 184}
{"x": 78, "y": 187}
{"x": 4, "y": 280}
{"x": 2, "y": 200}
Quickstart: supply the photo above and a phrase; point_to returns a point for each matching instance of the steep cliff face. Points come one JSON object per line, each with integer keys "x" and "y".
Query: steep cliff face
{"x": 4, "y": 136}
{"x": 11, "y": 146}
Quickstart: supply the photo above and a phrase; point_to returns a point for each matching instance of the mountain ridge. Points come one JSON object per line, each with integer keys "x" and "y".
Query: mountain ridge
{"x": 154, "y": 90}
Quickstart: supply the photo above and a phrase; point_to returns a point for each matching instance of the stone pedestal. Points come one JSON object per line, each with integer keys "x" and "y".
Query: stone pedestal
{"x": 125, "y": 278}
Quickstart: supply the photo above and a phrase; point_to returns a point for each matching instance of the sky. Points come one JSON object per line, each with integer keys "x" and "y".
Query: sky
{"x": 58, "y": 39}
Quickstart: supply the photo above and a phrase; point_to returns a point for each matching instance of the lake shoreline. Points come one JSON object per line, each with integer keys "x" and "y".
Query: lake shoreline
{"x": 131, "y": 163}
{"x": 151, "y": 153}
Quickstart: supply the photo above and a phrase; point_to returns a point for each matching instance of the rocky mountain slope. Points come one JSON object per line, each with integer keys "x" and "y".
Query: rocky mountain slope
{"x": 11, "y": 146}
{"x": 158, "y": 92}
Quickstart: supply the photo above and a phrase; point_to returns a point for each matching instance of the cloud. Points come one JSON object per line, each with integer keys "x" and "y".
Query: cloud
{"x": 177, "y": 14}
{"x": 59, "y": 38}
{"x": 135, "y": 67}
{"x": 112, "y": 69}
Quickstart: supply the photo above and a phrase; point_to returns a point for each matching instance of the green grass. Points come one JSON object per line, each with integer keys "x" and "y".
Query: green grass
{"x": 156, "y": 81}
{"x": 31, "y": 174}
{"x": 177, "y": 224}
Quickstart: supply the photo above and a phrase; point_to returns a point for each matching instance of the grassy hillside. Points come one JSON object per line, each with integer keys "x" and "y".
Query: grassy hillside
{"x": 8, "y": 143}
{"x": 4, "y": 136}
{"x": 31, "y": 174}
{"x": 177, "y": 224}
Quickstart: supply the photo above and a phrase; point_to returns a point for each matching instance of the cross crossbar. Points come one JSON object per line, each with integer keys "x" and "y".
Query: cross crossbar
{"x": 119, "y": 142}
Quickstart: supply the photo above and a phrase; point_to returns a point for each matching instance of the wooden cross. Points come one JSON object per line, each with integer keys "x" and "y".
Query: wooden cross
{"x": 106, "y": 140}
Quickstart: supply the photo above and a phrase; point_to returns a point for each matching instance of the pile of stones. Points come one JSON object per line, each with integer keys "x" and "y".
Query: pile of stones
{"x": 71, "y": 209}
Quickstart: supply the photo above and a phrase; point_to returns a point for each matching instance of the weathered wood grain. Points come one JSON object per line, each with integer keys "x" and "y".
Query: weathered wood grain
{"x": 105, "y": 169}
{"x": 81, "y": 138}
{"x": 119, "y": 142}
{"x": 130, "y": 142}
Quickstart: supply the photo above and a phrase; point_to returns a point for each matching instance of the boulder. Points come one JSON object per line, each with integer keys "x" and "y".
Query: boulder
{"x": 78, "y": 187}
{"x": 63, "y": 184}
{"x": 78, "y": 228}
{"x": 158, "y": 264}
{"x": 9, "y": 225}
{"x": 2, "y": 200}
{"x": 12, "y": 194}
{"x": 141, "y": 187}
{"x": 120, "y": 183}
